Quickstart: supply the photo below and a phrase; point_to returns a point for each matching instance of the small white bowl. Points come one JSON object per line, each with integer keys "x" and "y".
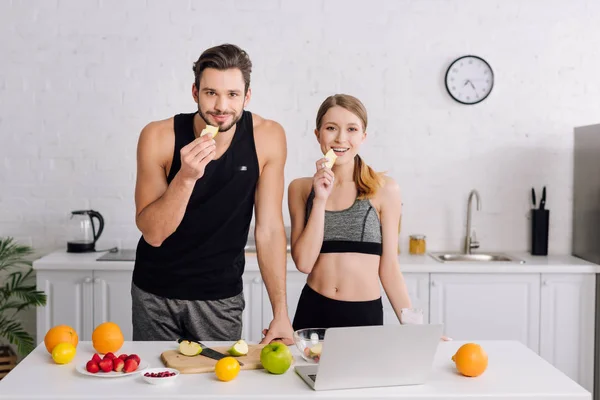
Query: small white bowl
{"x": 159, "y": 380}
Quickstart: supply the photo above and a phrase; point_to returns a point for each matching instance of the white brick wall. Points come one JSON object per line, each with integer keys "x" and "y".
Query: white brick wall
{"x": 80, "y": 78}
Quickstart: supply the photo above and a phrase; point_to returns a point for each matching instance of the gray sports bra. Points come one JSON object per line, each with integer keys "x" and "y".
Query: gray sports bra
{"x": 354, "y": 230}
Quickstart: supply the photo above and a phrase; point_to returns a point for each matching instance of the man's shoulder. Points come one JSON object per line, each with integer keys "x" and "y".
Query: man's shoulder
{"x": 158, "y": 127}
{"x": 266, "y": 127}
{"x": 269, "y": 137}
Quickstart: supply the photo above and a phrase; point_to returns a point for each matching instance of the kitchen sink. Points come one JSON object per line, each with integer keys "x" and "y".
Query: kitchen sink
{"x": 475, "y": 257}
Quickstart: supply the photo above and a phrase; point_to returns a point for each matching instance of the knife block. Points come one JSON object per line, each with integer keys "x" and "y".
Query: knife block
{"x": 540, "y": 225}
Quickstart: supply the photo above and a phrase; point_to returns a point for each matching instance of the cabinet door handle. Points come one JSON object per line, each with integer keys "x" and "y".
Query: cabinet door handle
{"x": 87, "y": 279}
{"x": 433, "y": 283}
{"x": 96, "y": 280}
{"x": 546, "y": 283}
{"x": 256, "y": 280}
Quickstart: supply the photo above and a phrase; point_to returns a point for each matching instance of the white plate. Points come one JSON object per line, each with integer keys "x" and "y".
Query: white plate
{"x": 112, "y": 374}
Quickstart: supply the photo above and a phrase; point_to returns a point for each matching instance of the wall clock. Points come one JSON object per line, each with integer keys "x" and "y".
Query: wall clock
{"x": 469, "y": 79}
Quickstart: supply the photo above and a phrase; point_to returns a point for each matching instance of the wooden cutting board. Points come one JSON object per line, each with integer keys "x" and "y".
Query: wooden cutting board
{"x": 200, "y": 364}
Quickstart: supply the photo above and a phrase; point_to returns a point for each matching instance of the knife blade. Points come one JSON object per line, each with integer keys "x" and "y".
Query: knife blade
{"x": 208, "y": 352}
{"x": 543, "y": 199}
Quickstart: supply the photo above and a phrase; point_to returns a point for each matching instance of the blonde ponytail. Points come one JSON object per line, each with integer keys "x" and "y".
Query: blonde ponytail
{"x": 367, "y": 180}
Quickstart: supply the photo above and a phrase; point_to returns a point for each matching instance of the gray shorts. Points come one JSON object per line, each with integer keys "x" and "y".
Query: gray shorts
{"x": 158, "y": 318}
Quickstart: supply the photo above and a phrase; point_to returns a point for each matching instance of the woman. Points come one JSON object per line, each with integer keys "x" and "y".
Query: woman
{"x": 345, "y": 228}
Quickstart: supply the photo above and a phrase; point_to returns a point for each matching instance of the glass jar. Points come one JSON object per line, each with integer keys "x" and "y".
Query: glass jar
{"x": 417, "y": 245}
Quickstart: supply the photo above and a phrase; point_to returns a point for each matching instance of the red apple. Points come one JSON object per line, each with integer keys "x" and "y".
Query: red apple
{"x": 92, "y": 366}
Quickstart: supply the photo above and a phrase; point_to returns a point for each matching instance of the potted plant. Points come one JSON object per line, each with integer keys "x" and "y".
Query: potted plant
{"x": 17, "y": 293}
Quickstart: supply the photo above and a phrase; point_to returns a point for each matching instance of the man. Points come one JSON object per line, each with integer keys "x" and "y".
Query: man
{"x": 194, "y": 201}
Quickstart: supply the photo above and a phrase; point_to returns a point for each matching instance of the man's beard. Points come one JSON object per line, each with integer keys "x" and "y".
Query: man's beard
{"x": 221, "y": 128}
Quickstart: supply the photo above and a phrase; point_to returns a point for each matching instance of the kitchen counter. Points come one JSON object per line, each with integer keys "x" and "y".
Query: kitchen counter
{"x": 533, "y": 264}
{"x": 514, "y": 372}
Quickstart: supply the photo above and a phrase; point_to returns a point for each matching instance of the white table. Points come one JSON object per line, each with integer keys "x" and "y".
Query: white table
{"x": 514, "y": 372}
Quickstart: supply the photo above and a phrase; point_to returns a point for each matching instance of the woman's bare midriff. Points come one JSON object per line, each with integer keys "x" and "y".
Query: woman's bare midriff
{"x": 346, "y": 276}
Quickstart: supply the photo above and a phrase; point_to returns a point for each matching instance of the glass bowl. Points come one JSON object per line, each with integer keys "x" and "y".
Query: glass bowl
{"x": 310, "y": 343}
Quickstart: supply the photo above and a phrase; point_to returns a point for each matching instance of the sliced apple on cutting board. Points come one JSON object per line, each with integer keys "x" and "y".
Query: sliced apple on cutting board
{"x": 190, "y": 349}
{"x": 210, "y": 130}
{"x": 239, "y": 348}
{"x": 331, "y": 157}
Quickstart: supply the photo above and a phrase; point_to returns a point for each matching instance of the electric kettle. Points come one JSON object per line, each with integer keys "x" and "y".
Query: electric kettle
{"x": 82, "y": 231}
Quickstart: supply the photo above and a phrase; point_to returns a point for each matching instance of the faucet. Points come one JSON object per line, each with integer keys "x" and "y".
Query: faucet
{"x": 471, "y": 242}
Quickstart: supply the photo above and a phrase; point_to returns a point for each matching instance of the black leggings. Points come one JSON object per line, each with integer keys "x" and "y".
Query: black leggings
{"x": 318, "y": 311}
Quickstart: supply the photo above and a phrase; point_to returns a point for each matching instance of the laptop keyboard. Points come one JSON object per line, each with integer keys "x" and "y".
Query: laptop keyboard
{"x": 313, "y": 377}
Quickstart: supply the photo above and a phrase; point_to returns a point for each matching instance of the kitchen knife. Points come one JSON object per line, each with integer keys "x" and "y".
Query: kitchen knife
{"x": 208, "y": 352}
{"x": 543, "y": 199}
{"x": 533, "y": 196}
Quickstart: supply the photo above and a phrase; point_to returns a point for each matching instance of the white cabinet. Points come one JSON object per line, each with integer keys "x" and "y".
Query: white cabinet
{"x": 418, "y": 290}
{"x": 112, "y": 299}
{"x": 84, "y": 299}
{"x": 252, "y": 315}
{"x": 487, "y": 306}
{"x": 567, "y": 325}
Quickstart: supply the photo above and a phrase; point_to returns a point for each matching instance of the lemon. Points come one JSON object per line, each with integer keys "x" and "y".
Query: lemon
{"x": 63, "y": 353}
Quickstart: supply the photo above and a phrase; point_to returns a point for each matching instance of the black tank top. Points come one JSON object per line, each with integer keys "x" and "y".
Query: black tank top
{"x": 204, "y": 258}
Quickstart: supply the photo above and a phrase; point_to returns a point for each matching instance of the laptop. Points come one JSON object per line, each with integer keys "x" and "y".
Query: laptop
{"x": 374, "y": 356}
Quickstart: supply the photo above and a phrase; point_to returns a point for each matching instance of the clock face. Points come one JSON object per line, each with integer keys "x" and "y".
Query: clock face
{"x": 469, "y": 80}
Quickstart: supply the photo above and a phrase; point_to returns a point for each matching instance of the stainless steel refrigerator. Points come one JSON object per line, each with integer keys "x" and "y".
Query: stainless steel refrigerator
{"x": 586, "y": 216}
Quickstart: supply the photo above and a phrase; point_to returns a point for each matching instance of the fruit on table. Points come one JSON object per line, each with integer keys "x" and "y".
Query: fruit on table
{"x": 239, "y": 348}
{"x": 106, "y": 365}
{"x": 118, "y": 364}
{"x": 110, "y": 362}
{"x": 60, "y": 334}
{"x": 134, "y": 357}
{"x": 227, "y": 368}
{"x": 470, "y": 360}
{"x": 130, "y": 365}
{"x": 92, "y": 366}
{"x": 63, "y": 353}
{"x": 162, "y": 374}
{"x": 107, "y": 337}
{"x": 189, "y": 348}
{"x": 276, "y": 358}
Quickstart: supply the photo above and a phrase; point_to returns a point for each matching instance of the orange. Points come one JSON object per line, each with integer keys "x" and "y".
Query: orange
{"x": 107, "y": 338}
{"x": 227, "y": 368}
{"x": 60, "y": 334}
{"x": 63, "y": 353}
{"x": 470, "y": 360}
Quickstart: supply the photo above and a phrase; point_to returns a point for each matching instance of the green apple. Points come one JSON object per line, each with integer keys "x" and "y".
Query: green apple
{"x": 276, "y": 358}
{"x": 189, "y": 349}
{"x": 239, "y": 348}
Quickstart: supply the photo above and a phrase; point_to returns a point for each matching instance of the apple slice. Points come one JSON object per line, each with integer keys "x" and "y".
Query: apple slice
{"x": 212, "y": 130}
{"x": 315, "y": 351}
{"x": 239, "y": 348}
{"x": 331, "y": 157}
{"x": 189, "y": 349}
